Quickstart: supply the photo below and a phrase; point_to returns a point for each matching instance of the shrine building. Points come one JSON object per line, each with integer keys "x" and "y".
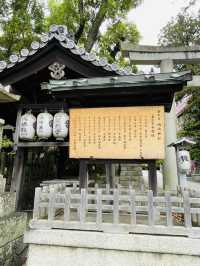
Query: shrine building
{"x": 115, "y": 116}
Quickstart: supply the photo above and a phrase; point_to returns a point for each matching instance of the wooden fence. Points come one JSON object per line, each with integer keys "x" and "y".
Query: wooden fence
{"x": 116, "y": 211}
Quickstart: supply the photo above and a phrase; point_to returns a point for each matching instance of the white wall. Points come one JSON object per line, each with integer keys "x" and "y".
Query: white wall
{"x": 74, "y": 248}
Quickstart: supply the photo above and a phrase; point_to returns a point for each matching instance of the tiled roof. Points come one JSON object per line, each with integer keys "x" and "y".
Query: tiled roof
{"x": 61, "y": 34}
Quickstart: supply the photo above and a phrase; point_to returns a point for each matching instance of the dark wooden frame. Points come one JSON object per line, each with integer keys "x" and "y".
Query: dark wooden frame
{"x": 83, "y": 175}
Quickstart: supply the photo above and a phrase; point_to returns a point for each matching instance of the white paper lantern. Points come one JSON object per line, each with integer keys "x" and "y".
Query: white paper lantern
{"x": 44, "y": 125}
{"x": 60, "y": 125}
{"x": 27, "y": 126}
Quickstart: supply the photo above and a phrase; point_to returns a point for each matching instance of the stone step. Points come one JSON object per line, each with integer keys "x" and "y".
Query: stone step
{"x": 130, "y": 173}
{"x": 131, "y": 168}
{"x": 130, "y": 178}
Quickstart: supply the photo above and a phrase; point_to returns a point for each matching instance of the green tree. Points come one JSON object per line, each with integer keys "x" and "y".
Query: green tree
{"x": 191, "y": 119}
{"x": 109, "y": 42}
{"x": 20, "y": 23}
{"x": 85, "y": 18}
{"x": 184, "y": 30}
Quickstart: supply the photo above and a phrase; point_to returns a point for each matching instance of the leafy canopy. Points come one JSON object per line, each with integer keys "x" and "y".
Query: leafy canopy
{"x": 184, "y": 30}
{"x": 20, "y": 23}
{"x": 109, "y": 44}
{"x": 86, "y": 18}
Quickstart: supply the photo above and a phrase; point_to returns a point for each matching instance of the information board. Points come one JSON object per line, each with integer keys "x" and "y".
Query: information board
{"x": 117, "y": 133}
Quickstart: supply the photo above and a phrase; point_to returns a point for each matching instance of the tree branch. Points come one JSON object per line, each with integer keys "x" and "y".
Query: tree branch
{"x": 82, "y": 21}
{"x": 94, "y": 30}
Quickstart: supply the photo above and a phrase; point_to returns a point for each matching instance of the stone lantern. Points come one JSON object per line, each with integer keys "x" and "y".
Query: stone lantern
{"x": 182, "y": 147}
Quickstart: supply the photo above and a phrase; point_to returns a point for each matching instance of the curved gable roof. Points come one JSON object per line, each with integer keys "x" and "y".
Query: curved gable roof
{"x": 56, "y": 45}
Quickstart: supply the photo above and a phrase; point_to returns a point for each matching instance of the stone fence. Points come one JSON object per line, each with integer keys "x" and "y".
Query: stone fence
{"x": 116, "y": 210}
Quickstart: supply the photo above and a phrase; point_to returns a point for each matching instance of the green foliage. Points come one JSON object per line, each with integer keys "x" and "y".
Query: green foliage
{"x": 20, "y": 22}
{"x": 86, "y": 18}
{"x": 109, "y": 43}
{"x": 6, "y": 143}
{"x": 184, "y": 30}
{"x": 191, "y": 118}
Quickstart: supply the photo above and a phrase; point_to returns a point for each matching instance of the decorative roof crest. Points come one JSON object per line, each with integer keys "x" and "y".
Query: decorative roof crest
{"x": 57, "y": 70}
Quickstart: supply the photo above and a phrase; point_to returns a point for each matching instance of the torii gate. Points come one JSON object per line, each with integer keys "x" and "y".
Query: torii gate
{"x": 165, "y": 57}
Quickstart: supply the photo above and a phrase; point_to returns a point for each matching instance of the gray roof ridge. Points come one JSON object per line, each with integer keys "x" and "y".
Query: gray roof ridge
{"x": 61, "y": 34}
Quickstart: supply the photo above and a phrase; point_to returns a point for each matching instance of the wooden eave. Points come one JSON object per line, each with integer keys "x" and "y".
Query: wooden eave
{"x": 135, "y": 90}
{"x": 47, "y": 55}
{"x": 7, "y": 97}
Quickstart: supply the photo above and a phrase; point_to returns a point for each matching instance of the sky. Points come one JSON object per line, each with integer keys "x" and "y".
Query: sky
{"x": 152, "y": 15}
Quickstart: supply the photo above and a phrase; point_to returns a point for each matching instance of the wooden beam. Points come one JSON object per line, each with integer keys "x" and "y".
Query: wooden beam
{"x": 109, "y": 174}
{"x": 152, "y": 176}
{"x": 52, "y": 107}
{"x": 83, "y": 175}
{"x": 42, "y": 144}
{"x": 17, "y": 128}
{"x": 17, "y": 175}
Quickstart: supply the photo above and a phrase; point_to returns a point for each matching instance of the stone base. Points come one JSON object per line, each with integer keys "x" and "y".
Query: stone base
{"x": 2, "y": 184}
{"x": 12, "y": 228}
{"x": 76, "y": 248}
{"x": 7, "y": 203}
{"x": 13, "y": 253}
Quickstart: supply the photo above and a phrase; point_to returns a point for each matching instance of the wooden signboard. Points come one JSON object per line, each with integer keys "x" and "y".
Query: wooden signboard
{"x": 117, "y": 133}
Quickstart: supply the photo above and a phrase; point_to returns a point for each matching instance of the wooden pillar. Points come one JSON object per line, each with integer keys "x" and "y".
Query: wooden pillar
{"x": 17, "y": 129}
{"x": 83, "y": 177}
{"x": 109, "y": 174}
{"x": 152, "y": 176}
{"x": 17, "y": 175}
{"x": 2, "y": 162}
{"x": 18, "y": 166}
{"x": 61, "y": 162}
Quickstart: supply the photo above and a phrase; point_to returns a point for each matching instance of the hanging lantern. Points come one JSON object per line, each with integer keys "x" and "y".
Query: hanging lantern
{"x": 60, "y": 125}
{"x": 27, "y": 126}
{"x": 44, "y": 125}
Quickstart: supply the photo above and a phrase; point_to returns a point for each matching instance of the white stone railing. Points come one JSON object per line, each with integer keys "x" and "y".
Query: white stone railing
{"x": 116, "y": 211}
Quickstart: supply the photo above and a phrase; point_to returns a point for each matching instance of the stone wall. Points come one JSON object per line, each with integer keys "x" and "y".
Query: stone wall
{"x": 7, "y": 204}
{"x": 12, "y": 228}
{"x": 76, "y": 248}
{"x": 2, "y": 184}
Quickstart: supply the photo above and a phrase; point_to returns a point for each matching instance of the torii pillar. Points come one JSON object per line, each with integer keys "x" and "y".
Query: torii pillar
{"x": 165, "y": 57}
{"x": 170, "y": 177}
